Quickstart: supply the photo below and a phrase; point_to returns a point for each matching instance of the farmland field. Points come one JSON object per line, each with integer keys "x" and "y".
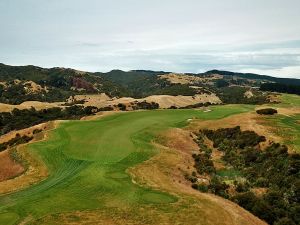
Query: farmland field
{"x": 87, "y": 163}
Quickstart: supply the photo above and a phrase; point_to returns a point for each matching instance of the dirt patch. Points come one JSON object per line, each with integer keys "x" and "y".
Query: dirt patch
{"x": 9, "y": 168}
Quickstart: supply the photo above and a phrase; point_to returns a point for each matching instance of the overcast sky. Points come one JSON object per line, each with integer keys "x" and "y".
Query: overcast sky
{"x": 261, "y": 36}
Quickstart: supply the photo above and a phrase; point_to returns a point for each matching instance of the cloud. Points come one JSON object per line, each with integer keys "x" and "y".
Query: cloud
{"x": 172, "y": 35}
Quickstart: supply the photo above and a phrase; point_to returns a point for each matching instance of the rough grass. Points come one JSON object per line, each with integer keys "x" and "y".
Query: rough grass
{"x": 290, "y": 100}
{"x": 287, "y": 127}
{"x": 87, "y": 163}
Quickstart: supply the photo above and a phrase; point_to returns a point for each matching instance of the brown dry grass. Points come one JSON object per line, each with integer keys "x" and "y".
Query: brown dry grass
{"x": 27, "y": 131}
{"x": 164, "y": 101}
{"x": 247, "y": 121}
{"x": 32, "y": 87}
{"x": 36, "y": 170}
{"x": 27, "y": 105}
{"x": 8, "y": 167}
{"x": 166, "y": 171}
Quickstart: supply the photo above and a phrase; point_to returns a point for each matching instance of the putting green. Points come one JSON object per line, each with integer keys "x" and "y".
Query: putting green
{"x": 87, "y": 162}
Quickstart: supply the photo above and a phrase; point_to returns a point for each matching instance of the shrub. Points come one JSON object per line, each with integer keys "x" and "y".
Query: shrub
{"x": 267, "y": 111}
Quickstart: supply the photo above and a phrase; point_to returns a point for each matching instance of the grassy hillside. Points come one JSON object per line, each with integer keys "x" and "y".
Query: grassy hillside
{"x": 28, "y": 83}
{"x": 87, "y": 163}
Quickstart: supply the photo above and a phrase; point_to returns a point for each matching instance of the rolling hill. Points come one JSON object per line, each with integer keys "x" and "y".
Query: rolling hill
{"x": 30, "y": 83}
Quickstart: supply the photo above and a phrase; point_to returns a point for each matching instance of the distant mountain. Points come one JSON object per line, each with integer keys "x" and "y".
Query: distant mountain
{"x": 24, "y": 83}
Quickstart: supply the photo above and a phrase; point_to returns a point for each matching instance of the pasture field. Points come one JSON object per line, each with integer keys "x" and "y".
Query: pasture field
{"x": 87, "y": 163}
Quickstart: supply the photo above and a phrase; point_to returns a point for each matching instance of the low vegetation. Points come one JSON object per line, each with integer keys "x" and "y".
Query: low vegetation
{"x": 273, "y": 170}
{"x": 281, "y": 88}
{"x": 18, "y": 139}
{"x": 58, "y": 84}
{"x": 236, "y": 95}
{"x": 145, "y": 105}
{"x": 20, "y": 119}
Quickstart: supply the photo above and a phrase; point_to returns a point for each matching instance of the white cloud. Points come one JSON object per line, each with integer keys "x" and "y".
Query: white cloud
{"x": 288, "y": 72}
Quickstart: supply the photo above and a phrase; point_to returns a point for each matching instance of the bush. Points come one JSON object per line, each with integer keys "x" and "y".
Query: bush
{"x": 20, "y": 119}
{"x": 273, "y": 168}
{"x": 122, "y": 106}
{"x": 267, "y": 111}
{"x": 146, "y": 105}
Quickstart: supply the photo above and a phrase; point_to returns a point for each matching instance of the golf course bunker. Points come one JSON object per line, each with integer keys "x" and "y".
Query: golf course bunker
{"x": 158, "y": 197}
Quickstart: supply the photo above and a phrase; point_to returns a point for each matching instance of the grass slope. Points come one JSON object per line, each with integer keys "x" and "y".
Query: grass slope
{"x": 287, "y": 126}
{"x": 87, "y": 162}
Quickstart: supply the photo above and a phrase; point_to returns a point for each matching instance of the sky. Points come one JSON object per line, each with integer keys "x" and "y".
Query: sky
{"x": 257, "y": 36}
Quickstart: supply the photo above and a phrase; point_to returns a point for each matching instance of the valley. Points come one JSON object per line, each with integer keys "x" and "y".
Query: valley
{"x": 87, "y": 172}
{"x": 133, "y": 156}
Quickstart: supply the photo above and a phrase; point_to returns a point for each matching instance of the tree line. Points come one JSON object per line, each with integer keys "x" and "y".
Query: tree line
{"x": 20, "y": 119}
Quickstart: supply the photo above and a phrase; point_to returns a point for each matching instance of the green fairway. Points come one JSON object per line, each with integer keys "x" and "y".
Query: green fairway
{"x": 87, "y": 162}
